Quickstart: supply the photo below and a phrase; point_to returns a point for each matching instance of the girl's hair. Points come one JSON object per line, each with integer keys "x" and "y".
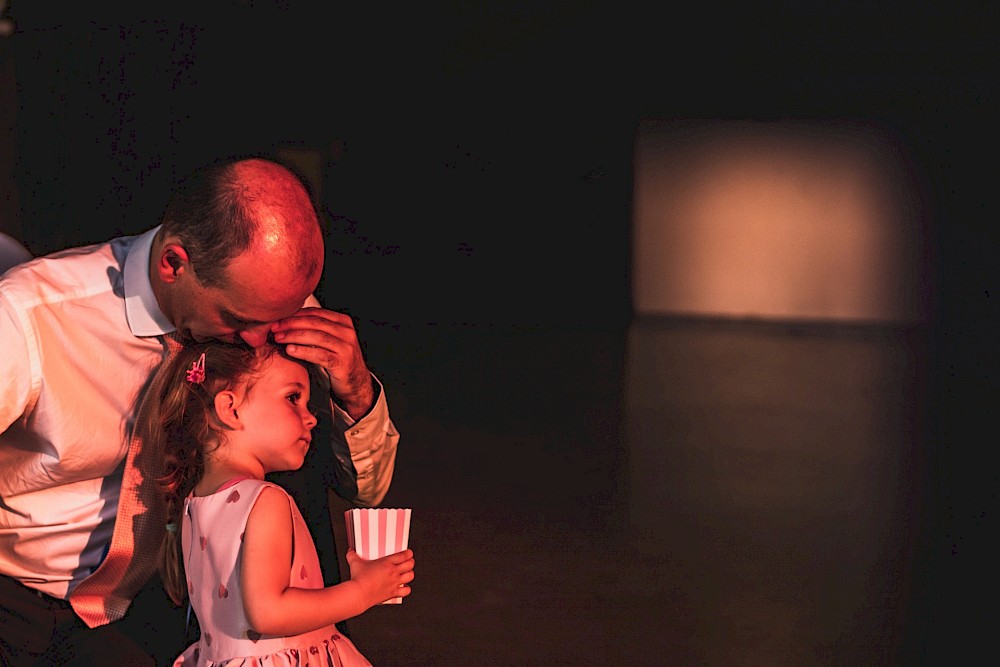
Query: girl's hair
{"x": 183, "y": 425}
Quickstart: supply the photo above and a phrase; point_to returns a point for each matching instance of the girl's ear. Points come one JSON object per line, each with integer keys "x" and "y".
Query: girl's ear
{"x": 225, "y": 409}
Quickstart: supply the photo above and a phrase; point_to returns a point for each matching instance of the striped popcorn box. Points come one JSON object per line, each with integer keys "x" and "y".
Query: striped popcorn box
{"x": 375, "y": 533}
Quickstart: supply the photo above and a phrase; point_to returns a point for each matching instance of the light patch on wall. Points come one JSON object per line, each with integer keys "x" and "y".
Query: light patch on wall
{"x": 787, "y": 220}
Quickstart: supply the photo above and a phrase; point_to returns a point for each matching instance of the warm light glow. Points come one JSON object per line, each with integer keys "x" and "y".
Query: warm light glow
{"x": 778, "y": 220}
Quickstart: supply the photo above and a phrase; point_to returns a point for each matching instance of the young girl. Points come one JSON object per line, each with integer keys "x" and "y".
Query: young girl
{"x": 229, "y": 415}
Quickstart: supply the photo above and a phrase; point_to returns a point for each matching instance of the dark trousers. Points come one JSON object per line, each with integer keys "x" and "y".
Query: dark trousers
{"x": 39, "y": 630}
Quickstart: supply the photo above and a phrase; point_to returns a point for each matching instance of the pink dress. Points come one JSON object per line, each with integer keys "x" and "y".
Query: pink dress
{"x": 212, "y": 534}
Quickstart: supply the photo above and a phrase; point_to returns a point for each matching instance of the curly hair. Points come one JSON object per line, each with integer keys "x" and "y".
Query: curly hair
{"x": 183, "y": 425}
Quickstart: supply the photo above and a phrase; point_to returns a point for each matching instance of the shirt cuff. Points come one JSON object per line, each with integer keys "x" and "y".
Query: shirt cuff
{"x": 372, "y": 441}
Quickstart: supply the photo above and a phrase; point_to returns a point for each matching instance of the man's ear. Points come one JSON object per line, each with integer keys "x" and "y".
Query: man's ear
{"x": 226, "y": 403}
{"x": 172, "y": 262}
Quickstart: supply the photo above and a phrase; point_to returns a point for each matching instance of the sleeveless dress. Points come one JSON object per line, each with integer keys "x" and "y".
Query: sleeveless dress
{"x": 212, "y": 534}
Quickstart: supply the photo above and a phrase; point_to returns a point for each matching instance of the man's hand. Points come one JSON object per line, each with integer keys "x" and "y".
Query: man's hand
{"x": 328, "y": 339}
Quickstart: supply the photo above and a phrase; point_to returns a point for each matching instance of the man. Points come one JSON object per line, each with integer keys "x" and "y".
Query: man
{"x": 238, "y": 253}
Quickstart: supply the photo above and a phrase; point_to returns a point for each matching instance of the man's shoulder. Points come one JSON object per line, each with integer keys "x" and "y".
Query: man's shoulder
{"x": 68, "y": 274}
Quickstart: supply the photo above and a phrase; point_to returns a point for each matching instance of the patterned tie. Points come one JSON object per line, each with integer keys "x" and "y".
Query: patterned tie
{"x": 133, "y": 556}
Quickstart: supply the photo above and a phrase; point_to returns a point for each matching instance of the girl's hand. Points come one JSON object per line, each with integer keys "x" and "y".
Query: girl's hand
{"x": 383, "y": 578}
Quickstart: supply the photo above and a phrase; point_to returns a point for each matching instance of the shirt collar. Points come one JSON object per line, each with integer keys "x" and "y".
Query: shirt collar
{"x": 141, "y": 310}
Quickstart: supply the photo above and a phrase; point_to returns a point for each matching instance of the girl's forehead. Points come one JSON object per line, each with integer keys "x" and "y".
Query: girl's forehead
{"x": 281, "y": 367}
{"x": 273, "y": 369}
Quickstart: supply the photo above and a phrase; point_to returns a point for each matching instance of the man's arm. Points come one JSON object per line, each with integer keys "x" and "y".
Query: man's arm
{"x": 16, "y": 388}
{"x": 372, "y": 442}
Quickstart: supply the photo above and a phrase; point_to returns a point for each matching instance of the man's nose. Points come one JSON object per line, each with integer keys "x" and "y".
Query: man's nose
{"x": 256, "y": 336}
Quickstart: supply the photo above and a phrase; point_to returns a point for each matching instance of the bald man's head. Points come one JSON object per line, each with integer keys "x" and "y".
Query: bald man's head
{"x": 255, "y": 206}
{"x": 240, "y": 247}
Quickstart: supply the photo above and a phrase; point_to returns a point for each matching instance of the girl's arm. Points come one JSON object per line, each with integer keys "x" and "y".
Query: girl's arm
{"x": 275, "y": 608}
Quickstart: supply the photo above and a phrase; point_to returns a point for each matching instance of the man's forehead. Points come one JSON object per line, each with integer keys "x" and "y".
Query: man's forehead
{"x": 258, "y": 308}
{"x": 261, "y": 291}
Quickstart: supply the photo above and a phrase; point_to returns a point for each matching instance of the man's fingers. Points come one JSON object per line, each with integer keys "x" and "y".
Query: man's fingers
{"x": 313, "y": 355}
{"x": 310, "y": 318}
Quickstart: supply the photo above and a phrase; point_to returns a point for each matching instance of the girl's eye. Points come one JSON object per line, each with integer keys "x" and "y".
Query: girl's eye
{"x": 294, "y": 398}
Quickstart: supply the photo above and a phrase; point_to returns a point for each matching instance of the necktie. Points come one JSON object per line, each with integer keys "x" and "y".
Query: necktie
{"x": 133, "y": 556}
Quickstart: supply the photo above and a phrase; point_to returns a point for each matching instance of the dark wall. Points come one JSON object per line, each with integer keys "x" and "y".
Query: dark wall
{"x": 465, "y": 185}
{"x": 478, "y": 154}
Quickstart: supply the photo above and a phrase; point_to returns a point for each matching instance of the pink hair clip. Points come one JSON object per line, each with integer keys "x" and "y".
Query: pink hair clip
{"x": 196, "y": 374}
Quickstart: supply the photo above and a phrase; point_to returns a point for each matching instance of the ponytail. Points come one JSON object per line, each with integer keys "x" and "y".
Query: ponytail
{"x": 183, "y": 472}
{"x": 169, "y": 430}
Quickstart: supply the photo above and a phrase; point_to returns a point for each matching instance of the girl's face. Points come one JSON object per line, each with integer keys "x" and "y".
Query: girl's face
{"x": 276, "y": 421}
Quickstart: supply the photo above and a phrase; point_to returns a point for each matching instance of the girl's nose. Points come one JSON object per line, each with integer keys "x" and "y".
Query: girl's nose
{"x": 310, "y": 420}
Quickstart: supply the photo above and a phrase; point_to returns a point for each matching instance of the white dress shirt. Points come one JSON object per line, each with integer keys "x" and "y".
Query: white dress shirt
{"x": 80, "y": 331}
